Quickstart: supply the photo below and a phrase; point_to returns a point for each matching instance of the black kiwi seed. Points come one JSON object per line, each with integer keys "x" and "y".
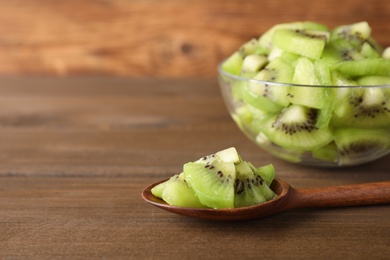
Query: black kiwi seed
{"x": 265, "y": 93}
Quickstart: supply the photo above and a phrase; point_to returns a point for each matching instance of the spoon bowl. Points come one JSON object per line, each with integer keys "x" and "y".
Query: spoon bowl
{"x": 287, "y": 198}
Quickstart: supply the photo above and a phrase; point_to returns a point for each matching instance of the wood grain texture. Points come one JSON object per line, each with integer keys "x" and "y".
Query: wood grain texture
{"x": 76, "y": 153}
{"x": 169, "y": 38}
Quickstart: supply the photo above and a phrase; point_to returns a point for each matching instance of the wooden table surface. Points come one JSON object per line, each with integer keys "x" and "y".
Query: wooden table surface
{"x": 76, "y": 153}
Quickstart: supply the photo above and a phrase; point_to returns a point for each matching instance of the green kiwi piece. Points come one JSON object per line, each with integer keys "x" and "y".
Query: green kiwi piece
{"x": 373, "y": 80}
{"x": 248, "y": 118}
{"x": 328, "y": 95}
{"x": 228, "y": 155}
{"x": 265, "y": 41}
{"x": 177, "y": 193}
{"x": 322, "y": 72}
{"x": 277, "y": 70}
{"x": 290, "y": 57}
{"x": 159, "y": 189}
{"x": 289, "y": 154}
{"x": 374, "y": 44}
{"x": 363, "y": 108}
{"x": 265, "y": 96}
{"x": 295, "y": 127}
{"x": 340, "y": 80}
{"x": 304, "y": 73}
{"x": 247, "y": 187}
{"x": 243, "y": 116}
{"x": 364, "y": 67}
{"x": 340, "y": 50}
{"x": 250, "y": 47}
{"x": 266, "y": 172}
{"x": 369, "y": 51}
{"x": 356, "y": 33}
{"x": 307, "y": 73}
{"x": 303, "y": 42}
{"x": 233, "y": 63}
{"x": 213, "y": 183}
{"x": 328, "y": 153}
{"x": 356, "y": 144}
{"x": 253, "y": 63}
{"x": 257, "y": 95}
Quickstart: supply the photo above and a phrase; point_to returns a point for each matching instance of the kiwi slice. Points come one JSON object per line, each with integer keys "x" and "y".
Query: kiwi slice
{"x": 327, "y": 153}
{"x": 307, "y": 73}
{"x": 213, "y": 183}
{"x": 373, "y": 80}
{"x": 369, "y": 51}
{"x": 258, "y": 96}
{"x": 248, "y": 118}
{"x": 340, "y": 50}
{"x": 159, "y": 189}
{"x": 303, "y": 42}
{"x": 266, "y": 172}
{"x": 253, "y": 63}
{"x": 340, "y": 80}
{"x": 363, "y": 108}
{"x": 295, "y": 127}
{"x": 264, "y": 96}
{"x": 250, "y": 57}
{"x": 247, "y": 186}
{"x": 233, "y": 63}
{"x": 356, "y": 33}
{"x": 177, "y": 193}
{"x": 358, "y": 68}
{"x": 304, "y": 73}
{"x": 229, "y": 155}
{"x": 357, "y": 144}
{"x": 250, "y": 47}
{"x": 266, "y": 40}
{"x": 317, "y": 73}
{"x": 277, "y": 70}
{"x": 289, "y": 154}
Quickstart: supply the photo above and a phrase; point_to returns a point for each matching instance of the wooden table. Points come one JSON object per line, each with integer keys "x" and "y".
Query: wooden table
{"x": 76, "y": 153}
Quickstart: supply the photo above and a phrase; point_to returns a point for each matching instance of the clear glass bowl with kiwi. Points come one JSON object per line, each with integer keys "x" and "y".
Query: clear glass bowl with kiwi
{"x": 312, "y": 95}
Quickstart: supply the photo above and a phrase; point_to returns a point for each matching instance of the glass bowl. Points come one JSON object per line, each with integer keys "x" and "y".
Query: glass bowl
{"x": 328, "y": 126}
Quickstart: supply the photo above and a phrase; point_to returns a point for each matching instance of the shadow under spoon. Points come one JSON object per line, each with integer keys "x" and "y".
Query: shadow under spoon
{"x": 287, "y": 198}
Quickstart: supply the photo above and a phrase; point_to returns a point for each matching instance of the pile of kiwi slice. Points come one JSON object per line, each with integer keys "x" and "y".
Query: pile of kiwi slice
{"x": 220, "y": 180}
{"x": 344, "y": 123}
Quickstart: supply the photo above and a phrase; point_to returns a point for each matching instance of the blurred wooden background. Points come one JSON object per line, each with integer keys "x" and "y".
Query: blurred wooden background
{"x": 158, "y": 38}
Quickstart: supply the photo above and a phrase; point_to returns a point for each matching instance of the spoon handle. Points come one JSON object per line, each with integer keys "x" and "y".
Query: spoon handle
{"x": 337, "y": 196}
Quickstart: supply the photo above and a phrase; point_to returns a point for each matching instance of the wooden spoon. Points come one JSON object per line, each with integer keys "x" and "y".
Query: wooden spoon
{"x": 287, "y": 198}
